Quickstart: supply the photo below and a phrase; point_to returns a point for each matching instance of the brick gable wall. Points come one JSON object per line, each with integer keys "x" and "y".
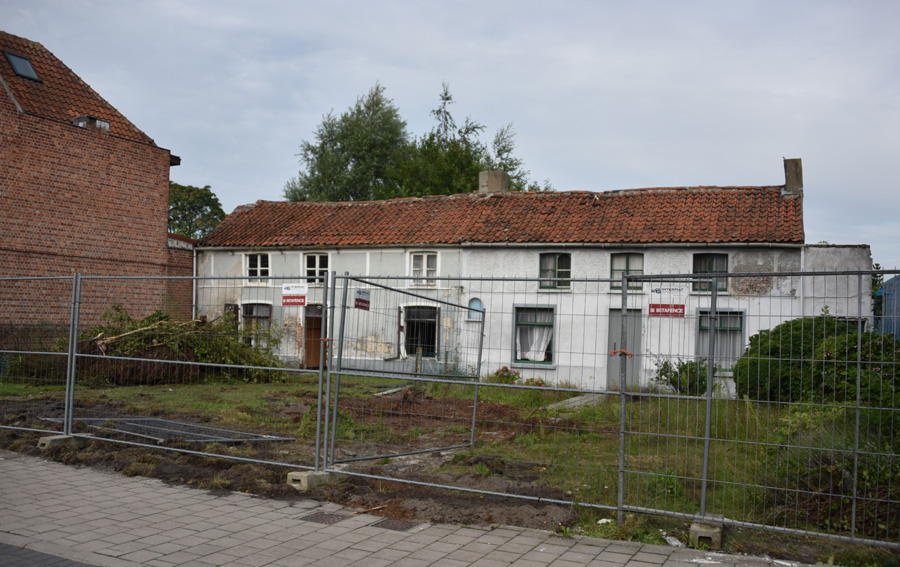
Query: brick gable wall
{"x": 80, "y": 200}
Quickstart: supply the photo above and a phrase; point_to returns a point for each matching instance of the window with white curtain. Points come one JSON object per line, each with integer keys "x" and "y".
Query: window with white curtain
{"x": 534, "y": 334}
{"x": 729, "y": 337}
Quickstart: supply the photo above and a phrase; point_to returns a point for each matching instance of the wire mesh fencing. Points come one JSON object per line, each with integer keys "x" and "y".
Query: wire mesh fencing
{"x": 35, "y": 322}
{"x": 768, "y": 399}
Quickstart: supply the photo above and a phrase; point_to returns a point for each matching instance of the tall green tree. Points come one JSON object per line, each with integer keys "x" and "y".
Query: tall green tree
{"x": 445, "y": 160}
{"x": 193, "y": 211}
{"x": 351, "y": 153}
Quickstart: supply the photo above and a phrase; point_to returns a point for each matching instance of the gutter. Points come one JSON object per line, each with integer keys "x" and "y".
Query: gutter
{"x": 600, "y": 245}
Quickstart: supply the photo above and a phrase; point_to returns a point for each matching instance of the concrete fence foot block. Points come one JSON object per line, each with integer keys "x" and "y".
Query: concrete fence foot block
{"x": 57, "y": 440}
{"x": 308, "y": 480}
{"x": 707, "y": 533}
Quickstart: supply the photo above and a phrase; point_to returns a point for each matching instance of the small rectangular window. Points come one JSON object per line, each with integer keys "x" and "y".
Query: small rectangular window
{"x": 423, "y": 265}
{"x": 316, "y": 268}
{"x": 555, "y": 271}
{"x": 630, "y": 264}
{"x": 257, "y": 268}
{"x": 710, "y": 264}
{"x": 534, "y": 334}
{"x": 22, "y": 66}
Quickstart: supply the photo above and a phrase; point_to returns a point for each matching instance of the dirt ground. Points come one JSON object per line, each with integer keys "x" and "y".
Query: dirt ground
{"x": 394, "y": 500}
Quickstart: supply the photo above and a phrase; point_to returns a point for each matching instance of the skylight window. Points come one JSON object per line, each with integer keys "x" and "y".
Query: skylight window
{"x": 22, "y": 66}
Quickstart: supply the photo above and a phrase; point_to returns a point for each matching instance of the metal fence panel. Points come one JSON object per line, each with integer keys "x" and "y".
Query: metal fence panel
{"x": 35, "y": 315}
{"x": 560, "y": 390}
{"x": 228, "y": 381}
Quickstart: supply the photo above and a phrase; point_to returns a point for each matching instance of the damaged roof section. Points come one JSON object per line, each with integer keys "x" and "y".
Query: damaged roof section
{"x": 766, "y": 214}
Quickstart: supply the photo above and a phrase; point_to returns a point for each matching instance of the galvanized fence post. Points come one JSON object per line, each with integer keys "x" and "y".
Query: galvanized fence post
{"x": 859, "y": 332}
{"x": 337, "y": 381}
{"x": 478, "y": 377}
{"x": 322, "y": 363}
{"x": 620, "y": 512}
{"x": 710, "y": 383}
{"x": 69, "y": 411}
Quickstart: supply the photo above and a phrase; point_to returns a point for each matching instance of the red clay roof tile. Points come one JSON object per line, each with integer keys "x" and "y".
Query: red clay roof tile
{"x": 660, "y": 215}
{"x": 60, "y": 94}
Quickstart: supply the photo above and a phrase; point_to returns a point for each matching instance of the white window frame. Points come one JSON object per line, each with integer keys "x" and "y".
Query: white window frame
{"x": 244, "y": 318}
{"x": 317, "y": 280}
{"x": 553, "y": 346}
{"x": 255, "y": 279}
{"x": 418, "y": 280}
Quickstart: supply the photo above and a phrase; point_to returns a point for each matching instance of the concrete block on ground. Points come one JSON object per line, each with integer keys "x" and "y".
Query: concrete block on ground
{"x": 707, "y": 533}
{"x": 308, "y": 480}
{"x": 56, "y": 440}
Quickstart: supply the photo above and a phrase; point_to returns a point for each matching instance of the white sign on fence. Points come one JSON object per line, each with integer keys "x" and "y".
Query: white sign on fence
{"x": 294, "y": 294}
{"x": 361, "y": 299}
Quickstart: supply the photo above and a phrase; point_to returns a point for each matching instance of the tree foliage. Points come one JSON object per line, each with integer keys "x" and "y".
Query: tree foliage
{"x": 351, "y": 153}
{"x": 367, "y": 154}
{"x": 193, "y": 211}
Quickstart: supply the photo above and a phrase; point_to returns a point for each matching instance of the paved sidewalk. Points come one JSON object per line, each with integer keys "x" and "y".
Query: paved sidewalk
{"x": 51, "y": 514}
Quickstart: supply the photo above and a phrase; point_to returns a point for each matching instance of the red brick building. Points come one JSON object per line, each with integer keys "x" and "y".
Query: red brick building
{"x": 83, "y": 189}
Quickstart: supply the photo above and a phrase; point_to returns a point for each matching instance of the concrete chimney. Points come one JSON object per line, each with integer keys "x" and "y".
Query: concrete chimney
{"x": 793, "y": 177}
{"x": 495, "y": 181}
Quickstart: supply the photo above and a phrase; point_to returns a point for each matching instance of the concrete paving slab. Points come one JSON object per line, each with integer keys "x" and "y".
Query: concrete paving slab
{"x": 98, "y": 519}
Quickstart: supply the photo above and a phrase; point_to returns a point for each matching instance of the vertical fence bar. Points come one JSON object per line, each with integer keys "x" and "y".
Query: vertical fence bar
{"x": 859, "y": 332}
{"x": 322, "y": 364}
{"x": 69, "y": 411}
{"x": 710, "y": 378}
{"x": 478, "y": 377}
{"x": 337, "y": 381}
{"x": 620, "y": 512}
{"x": 323, "y": 407}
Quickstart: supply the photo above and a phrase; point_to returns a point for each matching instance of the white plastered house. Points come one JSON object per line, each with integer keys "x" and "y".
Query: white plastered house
{"x": 573, "y": 246}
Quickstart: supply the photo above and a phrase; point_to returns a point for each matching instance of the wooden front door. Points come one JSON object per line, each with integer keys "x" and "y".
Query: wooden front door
{"x": 312, "y": 336}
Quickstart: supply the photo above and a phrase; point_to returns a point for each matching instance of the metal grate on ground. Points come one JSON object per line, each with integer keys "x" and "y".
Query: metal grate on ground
{"x": 163, "y": 430}
{"x": 324, "y": 518}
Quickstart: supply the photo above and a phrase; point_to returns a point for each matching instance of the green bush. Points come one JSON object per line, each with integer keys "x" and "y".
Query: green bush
{"x": 780, "y": 365}
{"x": 685, "y": 377}
{"x": 157, "y": 339}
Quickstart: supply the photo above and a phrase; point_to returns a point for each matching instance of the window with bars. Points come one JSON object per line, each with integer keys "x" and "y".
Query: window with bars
{"x": 555, "y": 271}
{"x": 626, "y": 263}
{"x": 419, "y": 334}
{"x": 316, "y": 268}
{"x": 710, "y": 264}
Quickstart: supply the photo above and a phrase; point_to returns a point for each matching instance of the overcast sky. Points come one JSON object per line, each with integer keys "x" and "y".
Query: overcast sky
{"x": 602, "y": 95}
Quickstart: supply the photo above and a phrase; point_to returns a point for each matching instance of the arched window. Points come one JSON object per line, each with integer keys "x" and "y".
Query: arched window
{"x": 476, "y": 308}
